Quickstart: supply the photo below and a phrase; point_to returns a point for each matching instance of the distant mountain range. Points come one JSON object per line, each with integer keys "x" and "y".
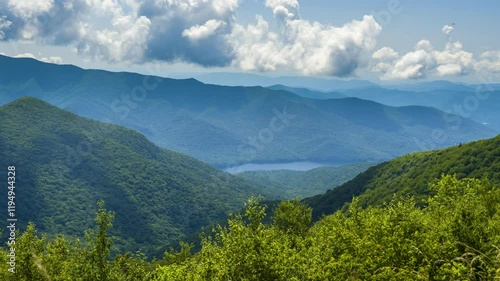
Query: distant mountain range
{"x": 431, "y": 86}
{"x": 66, "y": 163}
{"x": 227, "y": 126}
{"x": 326, "y": 84}
{"x": 477, "y": 102}
{"x": 308, "y": 93}
{"x": 246, "y": 79}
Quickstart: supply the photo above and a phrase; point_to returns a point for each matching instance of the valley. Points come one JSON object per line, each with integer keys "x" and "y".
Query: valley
{"x": 66, "y": 163}
{"x": 232, "y": 140}
{"x": 294, "y": 166}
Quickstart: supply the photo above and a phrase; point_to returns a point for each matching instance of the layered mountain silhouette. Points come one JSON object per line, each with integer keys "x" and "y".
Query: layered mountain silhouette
{"x": 227, "y": 126}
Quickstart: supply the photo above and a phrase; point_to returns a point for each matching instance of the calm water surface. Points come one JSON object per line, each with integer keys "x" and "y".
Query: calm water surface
{"x": 297, "y": 166}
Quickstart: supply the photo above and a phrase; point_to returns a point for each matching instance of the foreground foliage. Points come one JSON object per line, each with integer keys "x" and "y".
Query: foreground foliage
{"x": 455, "y": 237}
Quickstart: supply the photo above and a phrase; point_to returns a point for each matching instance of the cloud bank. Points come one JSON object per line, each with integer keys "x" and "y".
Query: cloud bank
{"x": 423, "y": 61}
{"x": 201, "y": 32}
{"x": 206, "y": 33}
{"x": 426, "y": 61}
{"x": 308, "y": 47}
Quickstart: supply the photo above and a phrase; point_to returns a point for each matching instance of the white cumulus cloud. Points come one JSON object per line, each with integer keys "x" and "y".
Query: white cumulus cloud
{"x": 426, "y": 61}
{"x": 177, "y": 28}
{"x": 206, "y": 33}
{"x": 198, "y": 32}
{"x": 29, "y": 8}
{"x": 203, "y": 32}
{"x": 489, "y": 62}
{"x": 385, "y": 57}
{"x": 284, "y": 9}
{"x": 223, "y": 7}
{"x": 448, "y": 29}
{"x": 423, "y": 62}
{"x": 126, "y": 40}
{"x": 53, "y": 59}
{"x": 4, "y": 24}
{"x": 308, "y": 47}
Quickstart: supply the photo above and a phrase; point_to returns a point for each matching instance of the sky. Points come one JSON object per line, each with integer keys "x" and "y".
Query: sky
{"x": 378, "y": 40}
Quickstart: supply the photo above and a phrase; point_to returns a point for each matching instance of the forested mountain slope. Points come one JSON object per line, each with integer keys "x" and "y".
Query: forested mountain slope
{"x": 411, "y": 175}
{"x": 66, "y": 163}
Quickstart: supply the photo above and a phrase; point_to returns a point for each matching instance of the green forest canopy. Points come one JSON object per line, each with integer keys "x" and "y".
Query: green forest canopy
{"x": 455, "y": 237}
{"x": 410, "y": 175}
{"x": 65, "y": 163}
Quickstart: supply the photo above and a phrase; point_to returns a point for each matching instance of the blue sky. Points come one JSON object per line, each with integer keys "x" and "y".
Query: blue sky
{"x": 422, "y": 40}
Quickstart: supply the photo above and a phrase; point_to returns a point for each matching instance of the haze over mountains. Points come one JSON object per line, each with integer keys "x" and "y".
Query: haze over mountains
{"x": 247, "y": 79}
{"x": 479, "y": 101}
{"x": 233, "y": 125}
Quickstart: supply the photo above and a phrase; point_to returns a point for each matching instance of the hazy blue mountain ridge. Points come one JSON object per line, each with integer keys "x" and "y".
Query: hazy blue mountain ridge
{"x": 227, "y": 126}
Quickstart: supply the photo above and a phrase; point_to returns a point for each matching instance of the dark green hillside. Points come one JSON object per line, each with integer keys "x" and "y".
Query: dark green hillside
{"x": 227, "y": 126}
{"x": 66, "y": 163}
{"x": 411, "y": 174}
{"x": 300, "y": 184}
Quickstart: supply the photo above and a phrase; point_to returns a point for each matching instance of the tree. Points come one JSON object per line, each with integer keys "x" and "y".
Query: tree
{"x": 29, "y": 248}
{"x": 100, "y": 243}
{"x": 293, "y": 217}
{"x": 172, "y": 257}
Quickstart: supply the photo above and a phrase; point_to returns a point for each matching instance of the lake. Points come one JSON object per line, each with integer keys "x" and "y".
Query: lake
{"x": 297, "y": 166}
